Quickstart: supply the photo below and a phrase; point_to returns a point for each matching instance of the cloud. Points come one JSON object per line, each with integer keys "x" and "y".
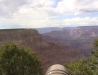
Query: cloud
{"x": 13, "y": 23}
{"x": 8, "y": 7}
{"x": 50, "y": 7}
{"x": 87, "y": 6}
{"x": 82, "y": 21}
{"x": 69, "y": 7}
{"x": 45, "y": 13}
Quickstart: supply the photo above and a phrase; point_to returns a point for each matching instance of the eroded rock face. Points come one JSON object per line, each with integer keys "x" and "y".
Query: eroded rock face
{"x": 49, "y": 53}
{"x": 81, "y": 37}
{"x": 85, "y": 31}
{"x": 26, "y": 37}
{"x": 61, "y": 34}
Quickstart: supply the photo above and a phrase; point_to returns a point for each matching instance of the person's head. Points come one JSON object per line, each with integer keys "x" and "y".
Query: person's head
{"x": 56, "y": 69}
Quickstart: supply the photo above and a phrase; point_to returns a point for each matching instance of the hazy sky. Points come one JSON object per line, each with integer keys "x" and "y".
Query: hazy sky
{"x": 47, "y": 13}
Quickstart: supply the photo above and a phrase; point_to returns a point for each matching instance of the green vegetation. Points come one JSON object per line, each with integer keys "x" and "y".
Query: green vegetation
{"x": 18, "y": 61}
{"x": 21, "y": 61}
{"x": 85, "y": 67}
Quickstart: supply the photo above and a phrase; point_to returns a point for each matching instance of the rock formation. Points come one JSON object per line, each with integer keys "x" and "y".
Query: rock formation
{"x": 50, "y": 53}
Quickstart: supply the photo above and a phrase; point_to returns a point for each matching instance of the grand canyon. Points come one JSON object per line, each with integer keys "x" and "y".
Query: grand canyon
{"x": 54, "y": 45}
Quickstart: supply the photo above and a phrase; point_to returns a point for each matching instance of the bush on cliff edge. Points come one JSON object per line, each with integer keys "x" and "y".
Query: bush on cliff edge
{"x": 18, "y": 61}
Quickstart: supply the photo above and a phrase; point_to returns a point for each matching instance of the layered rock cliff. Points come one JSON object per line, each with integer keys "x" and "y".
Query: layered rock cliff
{"x": 26, "y": 37}
{"x": 49, "y": 52}
{"x": 81, "y": 37}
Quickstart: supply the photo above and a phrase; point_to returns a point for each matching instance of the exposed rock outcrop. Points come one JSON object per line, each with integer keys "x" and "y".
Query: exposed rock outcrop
{"x": 81, "y": 37}
{"x": 50, "y": 53}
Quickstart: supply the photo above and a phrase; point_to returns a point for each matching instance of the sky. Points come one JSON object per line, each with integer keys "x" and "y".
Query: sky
{"x": 47, "y": 13}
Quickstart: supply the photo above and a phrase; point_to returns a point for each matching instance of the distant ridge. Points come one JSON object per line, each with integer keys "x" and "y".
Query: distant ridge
{"x": 81, "y": 37}
{"x": 16, "y": 29}
{"x": 49, "y": 29}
